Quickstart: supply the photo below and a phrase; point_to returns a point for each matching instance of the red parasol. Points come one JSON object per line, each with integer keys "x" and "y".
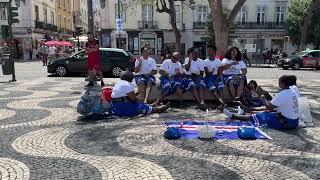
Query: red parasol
{"x": 65, "y": 43}
{"x": 52, "y": 43}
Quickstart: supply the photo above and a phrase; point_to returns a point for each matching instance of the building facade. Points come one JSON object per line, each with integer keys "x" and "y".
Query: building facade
{"x": 65, "y": 18}
{"x": 259, "y": 23}
{"x": 80, "y": 14}
{"x": 37, "y": 22}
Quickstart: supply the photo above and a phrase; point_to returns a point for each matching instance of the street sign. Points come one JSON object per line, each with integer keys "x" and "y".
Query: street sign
{"x": 119, "y": 25}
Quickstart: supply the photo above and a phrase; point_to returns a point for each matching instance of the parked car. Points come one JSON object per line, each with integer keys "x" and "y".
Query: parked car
{"x": 303, "y": 59}
{"x": 112, "y": 61}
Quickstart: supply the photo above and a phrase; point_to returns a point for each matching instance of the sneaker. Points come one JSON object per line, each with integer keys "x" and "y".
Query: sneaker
{"x": 102, "y": 83}
{"x": 240, "y": 111}
{"x": 90, "y": 84}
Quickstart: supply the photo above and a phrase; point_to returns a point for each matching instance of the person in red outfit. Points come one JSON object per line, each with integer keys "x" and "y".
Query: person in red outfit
{"x": 92, "y": 50}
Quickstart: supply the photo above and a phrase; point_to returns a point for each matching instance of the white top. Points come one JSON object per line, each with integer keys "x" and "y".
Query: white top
{"x": 234, "y": 69}
{"x": 287, "y": 103}
{"x": 147, "y": 65}
{"x": 196, "y": 66}
{"x": 121, "y": 89}
{"x": 296, "y": 90}
{"x": 52, "y": 50}
{"x": 171, "y": 68}
{"x": 213, "y": 66}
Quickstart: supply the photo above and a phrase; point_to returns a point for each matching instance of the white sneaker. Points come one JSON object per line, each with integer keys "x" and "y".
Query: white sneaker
{"x": 240, "y": 111}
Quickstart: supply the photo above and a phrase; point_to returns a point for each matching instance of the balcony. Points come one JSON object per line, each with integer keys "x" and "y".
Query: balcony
{"x": 45, "y": 26}
{"x": 199, "y": 25}
{"x": 148, "y": 24}
{"x": 39, "y": 25}
{"x": 255, "y": 25}
{"x": 66, "y": 31}
{"x": 50, "y": 27}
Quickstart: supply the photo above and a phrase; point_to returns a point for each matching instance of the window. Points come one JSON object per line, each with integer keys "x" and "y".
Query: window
{"x": 65, "y": 22}
{"x": 242, "y": 15}
{"x": 260, "y": 15}
{"x": 36, "y": 12}
{"x": 59, "y": 21}
{"x": 69, "y": 24}
{"x": 45, "y": 16}
{"x": 3, "y": 12}
{"x": 313, "y": 54}
{"x": 178, "y": 13}
{"x": 280, "y": 14}
{"x": 114, "y": 54}
{"x": 147, "y": 13}
{"x": 202, "y": 14}
{"x": 122, "y": 12}
{"x": 63, "y": 4}
{"x": 52, "y": 17}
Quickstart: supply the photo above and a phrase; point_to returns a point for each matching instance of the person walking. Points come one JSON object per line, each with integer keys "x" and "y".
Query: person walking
{"x": 43, "y": 54}
{"x": 52, "y": 52}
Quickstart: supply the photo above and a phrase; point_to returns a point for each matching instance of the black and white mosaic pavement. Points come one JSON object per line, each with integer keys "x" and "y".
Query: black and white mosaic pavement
{"x": 41, "y": 138}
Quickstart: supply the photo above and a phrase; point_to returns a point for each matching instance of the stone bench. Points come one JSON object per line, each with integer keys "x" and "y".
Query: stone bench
{"x": 156, "y": 92}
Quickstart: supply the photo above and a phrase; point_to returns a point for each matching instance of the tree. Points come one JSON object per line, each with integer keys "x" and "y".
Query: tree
{"x": 162, "y": 7}
{"x": 313, "y": 10}
{"x": 303, "y": 12}
{"x": 210, "y": 30}
{"x": 222, "y": 24}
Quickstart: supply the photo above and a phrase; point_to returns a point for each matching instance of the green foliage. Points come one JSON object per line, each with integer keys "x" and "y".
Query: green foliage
{"x": 296, "y": 14}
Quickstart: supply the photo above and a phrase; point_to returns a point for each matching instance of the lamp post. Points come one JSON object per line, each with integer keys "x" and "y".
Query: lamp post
{"x": 119, "y": 17}
{"x": 11, "y": 20}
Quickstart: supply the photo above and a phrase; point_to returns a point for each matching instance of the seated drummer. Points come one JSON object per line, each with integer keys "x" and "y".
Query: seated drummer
{"x": 125, "y": 102}
{"x": 145, "y": 69}
{"x": 171, "y": 75}
{"x": 213, "y": 80}
{"x": 194, "y": 67}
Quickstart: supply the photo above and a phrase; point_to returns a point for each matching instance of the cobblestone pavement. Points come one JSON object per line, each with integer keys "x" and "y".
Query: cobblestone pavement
{"x": 42, "y": 138}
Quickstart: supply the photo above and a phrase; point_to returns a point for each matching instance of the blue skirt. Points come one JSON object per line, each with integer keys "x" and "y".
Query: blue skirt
{"x": 170, "y": 85}
{"x": 130, "y": 109}
{"x": 197, "y": 81}
{"x": 229, "y": 77}
{"x": 145, "y": 79}
{"x": 274, "y": 121}
{"x": 213, "y": 82}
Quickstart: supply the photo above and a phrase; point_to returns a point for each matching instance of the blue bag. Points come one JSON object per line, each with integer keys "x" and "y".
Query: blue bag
{"x": 247, "y": 132}
{"x": 172, "y": 133}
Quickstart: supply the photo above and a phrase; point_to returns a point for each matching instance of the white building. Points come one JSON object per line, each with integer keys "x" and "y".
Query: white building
{"x": 97, "y": 16}
{"x": 37, "y": 21}
{"x": 259, "y": 22}
{"x": 80, "y": 14}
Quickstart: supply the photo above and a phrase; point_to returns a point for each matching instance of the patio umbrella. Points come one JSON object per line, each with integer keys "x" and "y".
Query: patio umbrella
{"x": 52, "y": 43}
{"x": 65, "y": 43}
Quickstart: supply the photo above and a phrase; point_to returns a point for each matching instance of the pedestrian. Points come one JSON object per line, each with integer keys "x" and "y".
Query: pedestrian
{"x": 194, "y": 67}
{"x": 234, "y": 71}
{"x": 281, "y": 113}
{"x": 92, "y": 50}
{"x": 43, "y": 54}
{"x": 34, "y": 53}
{"x": 125, "y": 102}
{"x": 213, "y": 77}
{"x": 52, "y": 52}
{"x": 145, "y": 69}
{"x": 171, "y": 72}
{"x": 246, "y": 58}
